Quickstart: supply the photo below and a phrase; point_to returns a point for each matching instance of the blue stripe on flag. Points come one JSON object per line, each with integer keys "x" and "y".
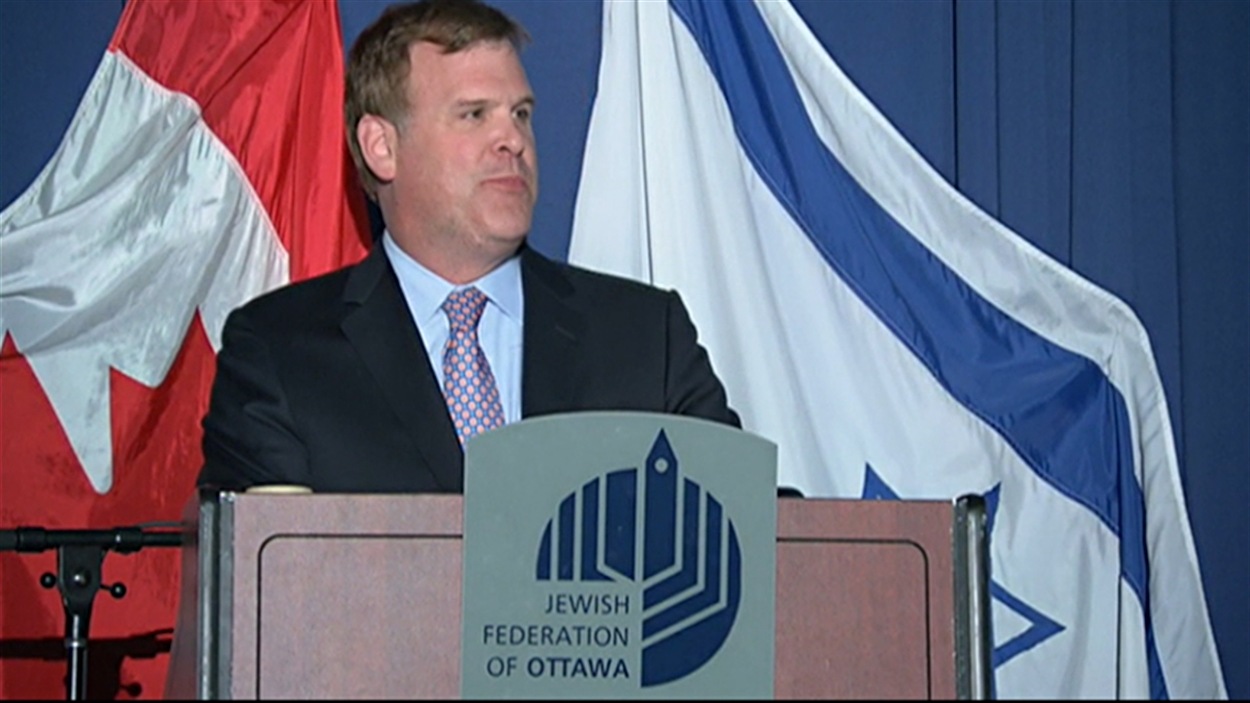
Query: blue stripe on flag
{"x": 1055, "y": 408}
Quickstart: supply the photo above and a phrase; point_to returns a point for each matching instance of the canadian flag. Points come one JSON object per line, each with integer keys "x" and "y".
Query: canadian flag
{"x": 206, "y": 164}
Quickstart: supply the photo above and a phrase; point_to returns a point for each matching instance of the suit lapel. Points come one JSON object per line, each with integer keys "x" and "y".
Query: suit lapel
{"x": 381, "y": 329}
{"x": 551, "y": 371}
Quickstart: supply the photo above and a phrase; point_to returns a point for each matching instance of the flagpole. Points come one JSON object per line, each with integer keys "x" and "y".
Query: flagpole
{"x": 80, "y": 559}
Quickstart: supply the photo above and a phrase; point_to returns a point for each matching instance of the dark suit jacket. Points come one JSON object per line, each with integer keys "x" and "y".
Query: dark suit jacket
{"x": 326, "y": 382}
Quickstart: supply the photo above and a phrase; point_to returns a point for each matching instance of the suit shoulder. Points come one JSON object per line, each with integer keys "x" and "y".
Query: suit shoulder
{"x": 300, "y": 298}
{"x": 589, "y": 281}
{"x": 625, "y": 285}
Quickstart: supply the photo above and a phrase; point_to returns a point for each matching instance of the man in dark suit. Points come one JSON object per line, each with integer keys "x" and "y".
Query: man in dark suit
{"x": 339, "y": 383}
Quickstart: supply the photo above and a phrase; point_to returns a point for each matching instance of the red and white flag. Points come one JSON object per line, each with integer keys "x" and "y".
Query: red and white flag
{"x": 206, "y": 164}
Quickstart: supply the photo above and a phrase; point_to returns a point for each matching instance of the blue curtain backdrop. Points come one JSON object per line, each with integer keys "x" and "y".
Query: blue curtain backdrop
{"x": 1115, "y": 135}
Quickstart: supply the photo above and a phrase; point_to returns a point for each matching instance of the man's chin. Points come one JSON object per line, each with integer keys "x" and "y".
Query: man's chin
{"x": 509, "y": 230}
{"x": 506, "y": 241}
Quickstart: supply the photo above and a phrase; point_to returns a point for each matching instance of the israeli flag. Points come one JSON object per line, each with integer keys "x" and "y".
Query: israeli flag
{"x": 898, "y": 342}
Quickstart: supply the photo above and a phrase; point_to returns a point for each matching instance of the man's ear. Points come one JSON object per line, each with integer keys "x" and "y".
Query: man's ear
{"x": 378, "y": 140}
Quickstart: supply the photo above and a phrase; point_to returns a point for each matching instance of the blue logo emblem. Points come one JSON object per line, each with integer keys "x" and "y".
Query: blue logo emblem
{"x": 668, "y": 536}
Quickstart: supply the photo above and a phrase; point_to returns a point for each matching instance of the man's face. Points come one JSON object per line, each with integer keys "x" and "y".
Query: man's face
{"x": 466, "y": 173}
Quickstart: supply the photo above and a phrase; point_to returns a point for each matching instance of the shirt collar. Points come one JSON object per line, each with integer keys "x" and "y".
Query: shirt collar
{"x": 427, "y": 290}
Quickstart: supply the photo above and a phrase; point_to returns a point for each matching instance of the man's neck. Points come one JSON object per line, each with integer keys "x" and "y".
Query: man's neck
{"x": 457, "y": 268}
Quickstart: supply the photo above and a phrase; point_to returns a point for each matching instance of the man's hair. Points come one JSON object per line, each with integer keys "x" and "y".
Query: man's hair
{"x": 378, "y": 65}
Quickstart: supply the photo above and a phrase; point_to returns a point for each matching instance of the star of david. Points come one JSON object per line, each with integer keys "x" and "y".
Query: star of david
{"x": 1040, "y": 627}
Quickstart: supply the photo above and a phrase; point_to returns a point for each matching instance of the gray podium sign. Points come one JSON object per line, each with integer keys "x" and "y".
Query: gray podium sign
{"x": 619, "y": 555}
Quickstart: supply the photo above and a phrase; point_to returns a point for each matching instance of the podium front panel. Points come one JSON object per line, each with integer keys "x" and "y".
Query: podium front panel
{"x": 875, "y": 627}
{"x": 865, "y": 600}
{"x": 358, "y": 596}
{"x": 339, "y": 596}
{"x": 385, "y": 595}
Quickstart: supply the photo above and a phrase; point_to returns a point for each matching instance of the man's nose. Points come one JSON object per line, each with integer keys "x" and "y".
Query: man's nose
{"x": 512, "y": 137}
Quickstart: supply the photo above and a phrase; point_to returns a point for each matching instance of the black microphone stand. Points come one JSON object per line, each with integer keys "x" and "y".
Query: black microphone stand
{"x": 80, "y": 558}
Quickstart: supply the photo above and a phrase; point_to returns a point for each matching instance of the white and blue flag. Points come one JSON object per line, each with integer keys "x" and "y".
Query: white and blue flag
{"x": 898, "y": 342}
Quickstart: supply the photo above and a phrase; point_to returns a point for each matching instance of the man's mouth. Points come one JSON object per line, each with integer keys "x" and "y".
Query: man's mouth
{"x": 510, "y": 183}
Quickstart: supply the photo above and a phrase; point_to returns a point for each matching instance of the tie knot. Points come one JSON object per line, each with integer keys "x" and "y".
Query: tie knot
{"x": 464, "y": 308}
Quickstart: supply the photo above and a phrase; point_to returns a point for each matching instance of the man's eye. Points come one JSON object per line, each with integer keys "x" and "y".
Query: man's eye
{"x": 473, "y": 114}
{"x": 524, "y": 114}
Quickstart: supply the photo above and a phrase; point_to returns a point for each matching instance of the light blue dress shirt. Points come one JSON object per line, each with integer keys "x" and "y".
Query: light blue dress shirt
{"x": 499, "y": 331}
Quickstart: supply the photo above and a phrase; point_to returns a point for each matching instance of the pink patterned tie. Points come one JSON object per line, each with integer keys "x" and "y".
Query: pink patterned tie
{"x": 468, "y": 384}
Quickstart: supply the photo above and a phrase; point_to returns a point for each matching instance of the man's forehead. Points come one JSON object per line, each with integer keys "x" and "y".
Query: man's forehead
{"x": 429, "y": 52}
{"x": 487, "y": 65}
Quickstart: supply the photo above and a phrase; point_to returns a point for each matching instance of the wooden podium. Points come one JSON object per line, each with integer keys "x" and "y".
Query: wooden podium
{"x": 358, "y": 596}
